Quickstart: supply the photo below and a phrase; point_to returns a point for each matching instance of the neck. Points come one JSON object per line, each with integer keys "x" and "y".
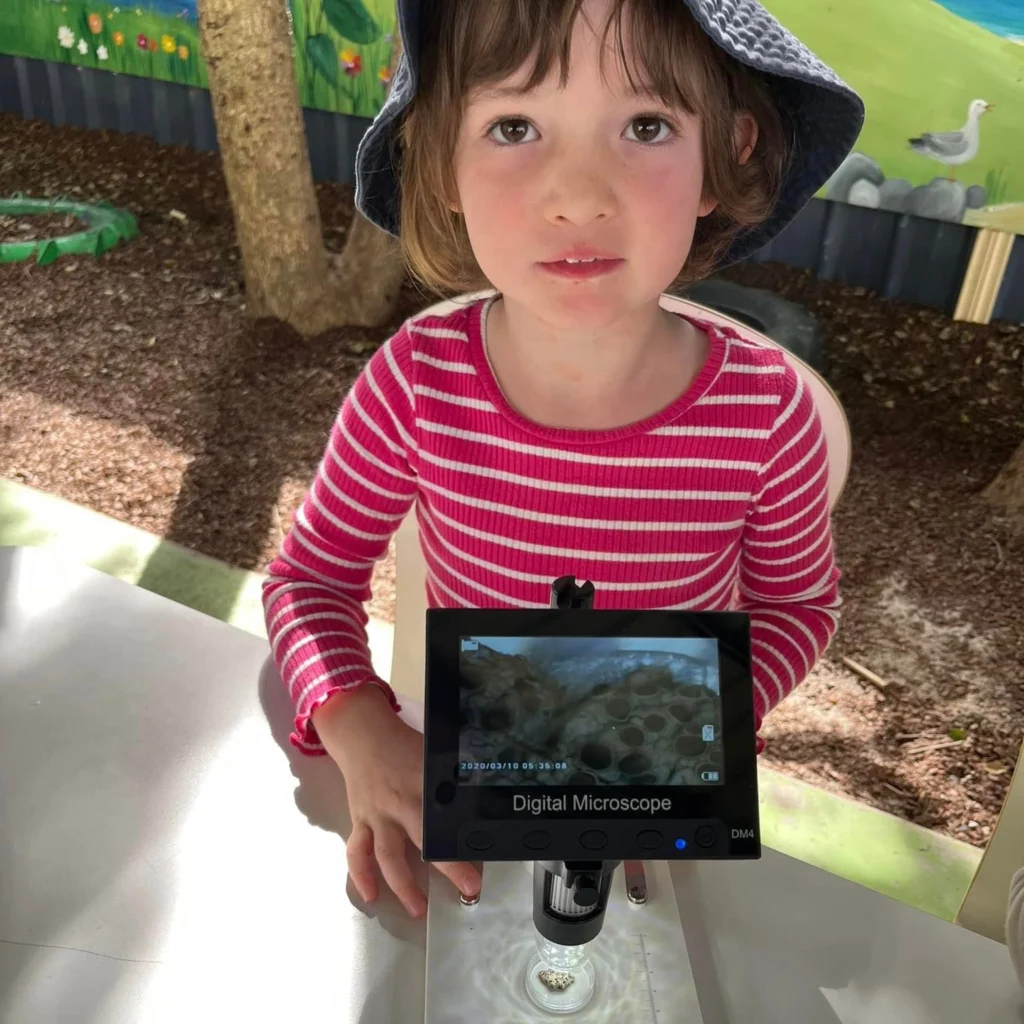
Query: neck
{"x": 590, "y": 379}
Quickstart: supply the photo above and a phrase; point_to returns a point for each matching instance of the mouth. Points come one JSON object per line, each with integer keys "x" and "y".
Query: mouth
{"x": 582, "y": 254}
{"x": 578, "y": 268}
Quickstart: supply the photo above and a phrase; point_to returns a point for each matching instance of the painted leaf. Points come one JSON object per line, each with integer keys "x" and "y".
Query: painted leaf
{"x": 320, "y": 51}
{"x": 349, "y": 18}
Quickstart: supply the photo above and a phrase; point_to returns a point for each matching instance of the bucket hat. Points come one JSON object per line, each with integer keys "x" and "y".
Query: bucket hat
{"x": 825, "y": 114}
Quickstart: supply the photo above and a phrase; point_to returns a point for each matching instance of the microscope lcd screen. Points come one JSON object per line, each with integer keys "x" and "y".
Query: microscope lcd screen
{"x": 588, "y": 710}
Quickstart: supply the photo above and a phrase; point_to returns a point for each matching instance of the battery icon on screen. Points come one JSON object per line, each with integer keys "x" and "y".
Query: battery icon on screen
{"x": 709, "y": 776}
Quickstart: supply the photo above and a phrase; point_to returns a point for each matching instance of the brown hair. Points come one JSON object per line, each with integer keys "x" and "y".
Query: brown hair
{"x": 471, "y": 43}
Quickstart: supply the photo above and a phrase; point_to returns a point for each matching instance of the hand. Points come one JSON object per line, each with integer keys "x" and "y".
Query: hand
{"x": 381, "y": 760}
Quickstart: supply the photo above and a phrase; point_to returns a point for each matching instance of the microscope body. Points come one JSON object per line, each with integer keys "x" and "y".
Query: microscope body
{"x": 582, "y": 742}
{"x": 689, "y": 718}
{"x": 570, "y": 897}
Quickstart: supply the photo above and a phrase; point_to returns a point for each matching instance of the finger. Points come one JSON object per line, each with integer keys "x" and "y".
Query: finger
{"x": 389, "y": 845}
{"x": 465, "y": 877}
{"x": 359, "y": 852}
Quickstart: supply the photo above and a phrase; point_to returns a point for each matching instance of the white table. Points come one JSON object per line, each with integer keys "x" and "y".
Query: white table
{"x": 165, "y": 855}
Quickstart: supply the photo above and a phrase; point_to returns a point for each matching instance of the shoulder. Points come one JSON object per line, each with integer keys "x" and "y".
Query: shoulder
{"x": 444, "y": 334}
{"x": 426, "y": 345}
{"x": 758, "y": 366}
{"x": 760, "y": 361}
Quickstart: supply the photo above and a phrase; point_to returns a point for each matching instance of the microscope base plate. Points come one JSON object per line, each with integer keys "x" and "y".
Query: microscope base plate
{"x": 477, "y": 955}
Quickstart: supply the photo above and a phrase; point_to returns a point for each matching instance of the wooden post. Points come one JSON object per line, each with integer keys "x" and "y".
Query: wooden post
{"x": 984, "y": 277}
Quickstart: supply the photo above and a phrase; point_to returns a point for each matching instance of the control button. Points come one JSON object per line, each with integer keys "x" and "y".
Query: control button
{"x": 445, "y": 792}
{"x": 705, "y": 836}
{"x": 479, "y": 840}
{"x": 536, "y": 840}
{"x": 593, "y": 840}
{"x": 649, "y": 840}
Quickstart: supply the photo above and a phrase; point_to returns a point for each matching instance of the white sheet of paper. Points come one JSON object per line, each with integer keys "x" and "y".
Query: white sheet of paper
{"x": 477, "y": 956}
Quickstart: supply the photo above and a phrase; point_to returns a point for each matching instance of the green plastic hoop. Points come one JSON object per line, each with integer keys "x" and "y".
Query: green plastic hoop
{"x": 107, "y": 227}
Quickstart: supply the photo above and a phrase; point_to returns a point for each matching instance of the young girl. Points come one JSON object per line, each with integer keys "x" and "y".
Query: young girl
{"x": 579, "y": 158}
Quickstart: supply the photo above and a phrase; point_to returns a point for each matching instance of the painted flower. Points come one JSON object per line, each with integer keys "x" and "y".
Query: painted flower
{"x": 83, "y": 47}
{"x": 167, "y": 44}
{"x": 65, "y": 37}
{"x": 101, "y": 52}
{"x": 351, "y": 62}
{"x": 384, "y": 74}
{"x": 183, "y": 52}
{"x": 153, "y": 45}
{"x": 141, "y": 41}
{"x": 119, "y": 39}
{"x": 95, "y": 24}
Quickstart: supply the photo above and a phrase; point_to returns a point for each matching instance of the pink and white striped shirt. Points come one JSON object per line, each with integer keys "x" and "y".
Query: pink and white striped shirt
{"x": 718, "y": 501}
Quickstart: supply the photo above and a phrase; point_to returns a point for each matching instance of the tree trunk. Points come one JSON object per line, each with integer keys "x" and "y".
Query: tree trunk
{"x": 1006, "y": 492}
{"x": 289, "y": 274}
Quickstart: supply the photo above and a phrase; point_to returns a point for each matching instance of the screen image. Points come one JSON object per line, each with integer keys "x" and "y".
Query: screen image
{"x": 588, "y": 711}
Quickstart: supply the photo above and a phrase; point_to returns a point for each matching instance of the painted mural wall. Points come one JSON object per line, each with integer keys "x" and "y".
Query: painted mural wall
{"x": 943, "y": 81}
{"x": 342, "y": 54}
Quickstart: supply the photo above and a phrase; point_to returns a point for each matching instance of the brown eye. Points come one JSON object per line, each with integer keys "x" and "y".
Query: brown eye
{"x": 647, "y": 129}
{"x": 511, "y": 130}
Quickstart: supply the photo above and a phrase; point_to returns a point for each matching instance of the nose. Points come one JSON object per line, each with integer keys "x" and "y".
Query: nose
{"x": 578, "y": 191}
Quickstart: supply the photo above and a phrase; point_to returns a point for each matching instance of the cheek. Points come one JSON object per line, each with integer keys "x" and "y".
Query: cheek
{"x": 665, "y": 198}
{"x": 493, "y": 196}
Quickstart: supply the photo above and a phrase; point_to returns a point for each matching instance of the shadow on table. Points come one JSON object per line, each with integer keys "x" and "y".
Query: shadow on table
{"x": 320, "y": 796}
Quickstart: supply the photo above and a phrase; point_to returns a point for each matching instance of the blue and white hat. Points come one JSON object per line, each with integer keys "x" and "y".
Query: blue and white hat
{"x": 826, "y": 114}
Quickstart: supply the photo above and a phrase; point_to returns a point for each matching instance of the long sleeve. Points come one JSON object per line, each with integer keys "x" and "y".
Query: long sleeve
{"x": 317, "y": 585}
{"x": 789, "y": 581}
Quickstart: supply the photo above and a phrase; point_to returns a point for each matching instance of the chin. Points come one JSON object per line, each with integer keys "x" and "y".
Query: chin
{"x": 572, "y": 305}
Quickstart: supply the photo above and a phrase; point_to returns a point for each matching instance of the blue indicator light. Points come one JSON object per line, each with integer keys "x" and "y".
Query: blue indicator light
{"x": 680, "y": 844}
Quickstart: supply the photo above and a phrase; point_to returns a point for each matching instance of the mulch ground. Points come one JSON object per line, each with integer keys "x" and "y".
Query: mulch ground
{"x": 136, "y": 386}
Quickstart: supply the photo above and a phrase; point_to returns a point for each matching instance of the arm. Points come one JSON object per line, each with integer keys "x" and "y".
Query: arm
{"x": 314, "y": 594}
{"x": 789, "y": 581}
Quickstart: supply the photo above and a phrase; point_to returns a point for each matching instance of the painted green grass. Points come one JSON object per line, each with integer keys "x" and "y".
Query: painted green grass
{"x": 135, "y": 41}
{"x": 917, "y": 67}
{"x": 361, "y": 93}
{"x": 129, "y": 40}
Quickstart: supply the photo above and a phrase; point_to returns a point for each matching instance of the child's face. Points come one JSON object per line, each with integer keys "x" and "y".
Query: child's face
{"x": 590, "y": 165}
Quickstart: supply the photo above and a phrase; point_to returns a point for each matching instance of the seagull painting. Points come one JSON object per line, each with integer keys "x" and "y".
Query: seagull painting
{"x": 953, "y": 148}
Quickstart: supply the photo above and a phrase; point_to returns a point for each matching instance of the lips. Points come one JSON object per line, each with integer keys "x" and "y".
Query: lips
{"x": 581, "y": 270}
